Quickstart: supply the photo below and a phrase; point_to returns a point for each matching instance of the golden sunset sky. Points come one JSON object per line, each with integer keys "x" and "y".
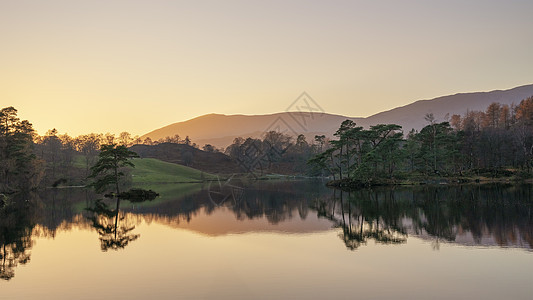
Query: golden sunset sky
{"x": 112, "y": 66}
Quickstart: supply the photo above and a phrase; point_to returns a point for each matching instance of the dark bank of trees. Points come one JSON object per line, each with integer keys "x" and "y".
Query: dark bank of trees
{"x": 276, "y": 152}
{"x": 19, "y": 166}
{"x": 69, "y": 159}
{"x": 497, "y": 142}
{"x": 360, "y": 153}
{"x": 28, "y": 160}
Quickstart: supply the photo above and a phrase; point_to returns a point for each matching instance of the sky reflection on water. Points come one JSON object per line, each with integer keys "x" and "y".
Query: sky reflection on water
{"x": 287, "y": 241}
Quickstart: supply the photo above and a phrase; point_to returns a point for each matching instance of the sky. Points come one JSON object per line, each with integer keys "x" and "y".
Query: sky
{"x": 113, "y": 66}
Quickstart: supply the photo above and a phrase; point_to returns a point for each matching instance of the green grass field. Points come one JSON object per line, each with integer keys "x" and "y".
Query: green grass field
{"x": 151, "y": 170}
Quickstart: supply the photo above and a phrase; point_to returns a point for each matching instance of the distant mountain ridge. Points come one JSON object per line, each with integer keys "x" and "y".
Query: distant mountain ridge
{"x": 220, "y": 130}
{"x": 412, "y": 115}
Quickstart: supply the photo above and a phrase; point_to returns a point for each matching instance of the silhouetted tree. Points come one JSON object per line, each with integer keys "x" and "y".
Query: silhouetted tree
{"x": 108, "y": 169}
{"x": 88, "y": 145}
{"x": 19, "y": 167}
{"x": 208, "y": 148}
{"x": 125, "y": 139}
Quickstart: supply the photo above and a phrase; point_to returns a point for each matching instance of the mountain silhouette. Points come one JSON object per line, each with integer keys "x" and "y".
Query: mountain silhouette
{"x": 220, "y": 130}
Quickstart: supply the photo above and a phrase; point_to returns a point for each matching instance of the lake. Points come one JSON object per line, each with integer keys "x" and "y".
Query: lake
{"x": 271, "y": 240}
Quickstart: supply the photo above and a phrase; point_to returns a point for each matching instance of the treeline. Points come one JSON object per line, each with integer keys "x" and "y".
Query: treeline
{"x": 19, "y": 166}
{"x": 59, "y": 151}
{"x": 276, "y": 152}
{"x": 498, "y": 141}
{"x": 69, "y": 159}
{"x": 175, "y": 139}
{"x": 28, "y": 160}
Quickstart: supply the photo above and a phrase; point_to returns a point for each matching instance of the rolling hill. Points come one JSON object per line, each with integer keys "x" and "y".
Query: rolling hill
{"x": 184, "y": 155}
{"x": 220, "y": 130}
{"x": 150, "y": 170}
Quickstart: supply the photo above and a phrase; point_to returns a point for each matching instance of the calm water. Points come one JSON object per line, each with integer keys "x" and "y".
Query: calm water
{"x": 284, "y": 240}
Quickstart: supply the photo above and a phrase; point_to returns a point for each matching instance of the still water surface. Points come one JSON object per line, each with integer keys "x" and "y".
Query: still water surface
{"x": 272, "y": 240}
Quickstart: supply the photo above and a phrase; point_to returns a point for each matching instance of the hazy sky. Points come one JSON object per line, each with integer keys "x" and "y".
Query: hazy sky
{"x": 111, "y": 66}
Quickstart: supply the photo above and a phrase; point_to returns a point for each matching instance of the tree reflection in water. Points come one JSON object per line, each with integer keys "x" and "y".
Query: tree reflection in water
{"x": 17, "y": 219}
{"x": 115, "y": 228}
{"x": 360, "y": 223}
{"x": 386, "y": 216}
{"x": 487, "y": 215}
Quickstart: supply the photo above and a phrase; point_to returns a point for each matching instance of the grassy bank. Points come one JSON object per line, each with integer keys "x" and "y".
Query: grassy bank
{"x": 151, "y": 170}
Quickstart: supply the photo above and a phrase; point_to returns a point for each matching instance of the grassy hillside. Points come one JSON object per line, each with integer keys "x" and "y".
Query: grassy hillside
{"x": 146, "y": 171}
{"x": 151, "y": 170}
{"x": 213, "y": 163}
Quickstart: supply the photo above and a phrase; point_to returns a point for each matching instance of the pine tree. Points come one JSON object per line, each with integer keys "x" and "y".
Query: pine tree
{"x": 107, "y": 170}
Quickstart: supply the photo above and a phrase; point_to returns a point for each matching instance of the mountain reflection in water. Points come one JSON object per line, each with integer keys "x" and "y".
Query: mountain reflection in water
{"x": 471, "y": 215}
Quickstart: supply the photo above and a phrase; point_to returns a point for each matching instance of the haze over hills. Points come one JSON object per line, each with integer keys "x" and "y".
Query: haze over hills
{"x": 412, "y": 115}
{"x": 220, "y": 130}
